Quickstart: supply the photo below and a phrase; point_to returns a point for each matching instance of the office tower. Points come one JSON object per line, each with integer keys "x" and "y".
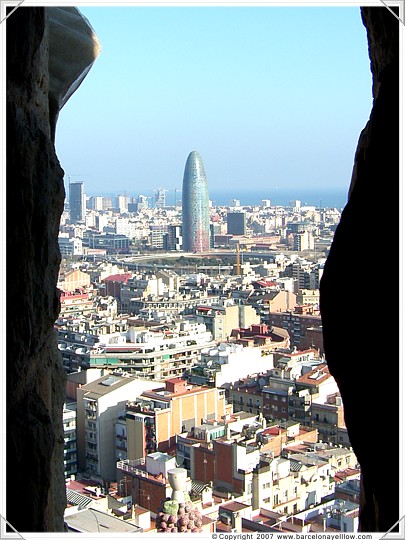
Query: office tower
{"x": 95, "y": 203}
{"x": 121, "y": 204}
{"x": 195, "y": 201}
{"x": 160, "y": 198}
{"x": 77, "y": 202}
{"x": 173, "y": 240}
{"x": 236, "y": 223}
{"x": 296, "y": 205}
{"x": 142, "y": 203}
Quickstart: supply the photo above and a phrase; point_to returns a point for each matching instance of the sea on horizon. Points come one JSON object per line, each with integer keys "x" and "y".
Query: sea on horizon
{"x": 336, "y": 198}
{"x": 324, "y": 199}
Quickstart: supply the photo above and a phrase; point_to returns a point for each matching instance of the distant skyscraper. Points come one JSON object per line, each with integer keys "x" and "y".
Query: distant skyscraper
{"x": 236, "y": 223}
{"x": 160, "y": 198}
{"x": 77, "y": 202}
{"x": 195, "y": 202}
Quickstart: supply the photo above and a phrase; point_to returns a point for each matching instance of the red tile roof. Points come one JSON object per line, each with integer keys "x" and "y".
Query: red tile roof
{"x": 311, "y": 377}
{"x": 123, "y": 278}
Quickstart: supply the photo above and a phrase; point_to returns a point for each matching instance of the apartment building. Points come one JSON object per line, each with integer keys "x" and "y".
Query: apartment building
{"x": 112, "y": 285}
{"x": 151, "y": 353}
{"x": 145, "y": 480}
{"x": 269, "y": 338}
{"x": 278, "y": 435}
{"x": 308, "y": 296}
{"x": 74, "y": 304}
{"x": 328, "y": 418}
{"x": 296, "y": 324}
{"x": 227, "y": 363}
{"x": 156, "y": 417}
{"x": 288, "y": 486}
{"x": 246, "y": 397}
{"x": 139, "y": 287}
{"x": 267, "y": 300}
{"x": 221, "y": 320}
{"x": 99, "y": 404}
{"x": 72, "y": 280}
{"x": 315, "y": 385}
{"x": 69, "y": 246}
{"x": 70, "y": 440}
{"x": 173, "y": 305}
{"x": 242, "y": 465}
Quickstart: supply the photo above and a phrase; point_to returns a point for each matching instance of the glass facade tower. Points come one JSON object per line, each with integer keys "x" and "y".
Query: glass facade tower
{"x": 77, "y": 202}
{"x": 195, "y": 203}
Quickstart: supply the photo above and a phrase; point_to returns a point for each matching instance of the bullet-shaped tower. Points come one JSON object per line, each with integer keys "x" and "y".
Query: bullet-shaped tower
{"x": 195, "y": 202}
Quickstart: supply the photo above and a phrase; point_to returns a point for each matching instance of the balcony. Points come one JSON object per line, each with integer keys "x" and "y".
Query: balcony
{"x": 132, "y": 466}
{"x": 138, "y": 468}
{"x": 90, "y": 405}
{"x": 91, "y": 448}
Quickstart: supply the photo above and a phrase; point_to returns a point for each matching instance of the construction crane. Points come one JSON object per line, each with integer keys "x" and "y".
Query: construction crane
{"x": 237, "y": 264}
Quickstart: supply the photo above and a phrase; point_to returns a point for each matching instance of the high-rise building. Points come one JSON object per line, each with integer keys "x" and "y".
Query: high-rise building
{"x": 121, "y": 204}
{"x": 142, "y": 203}
{"x": 195, "y": 201}
{"x": 95, "y": 203}
{"x": 236, "y": 223}
{"x": 160, "y": 198}
{"x": 77, "y": 202}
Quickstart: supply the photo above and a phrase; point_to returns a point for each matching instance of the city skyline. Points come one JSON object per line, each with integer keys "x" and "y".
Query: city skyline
{"x": 272, "y": 96}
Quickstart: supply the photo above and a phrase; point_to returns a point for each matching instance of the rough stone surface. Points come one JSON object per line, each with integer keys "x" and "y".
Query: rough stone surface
{"x": 49, "y": 52}
{"x": 35, "y": 376}
{"x": 350, "y": 328}
{"x": 35, "y": 196}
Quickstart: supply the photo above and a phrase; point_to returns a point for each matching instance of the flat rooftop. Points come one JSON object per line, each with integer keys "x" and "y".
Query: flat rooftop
{"x": 94, "y": 521}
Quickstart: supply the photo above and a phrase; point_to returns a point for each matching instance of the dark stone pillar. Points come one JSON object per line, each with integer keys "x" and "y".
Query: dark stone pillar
{"x": 35, "y": 377}
{"x": 360, "y": 314}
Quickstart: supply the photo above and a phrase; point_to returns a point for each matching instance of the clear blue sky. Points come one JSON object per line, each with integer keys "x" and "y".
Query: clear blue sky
{"x": 272, "y": 96}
